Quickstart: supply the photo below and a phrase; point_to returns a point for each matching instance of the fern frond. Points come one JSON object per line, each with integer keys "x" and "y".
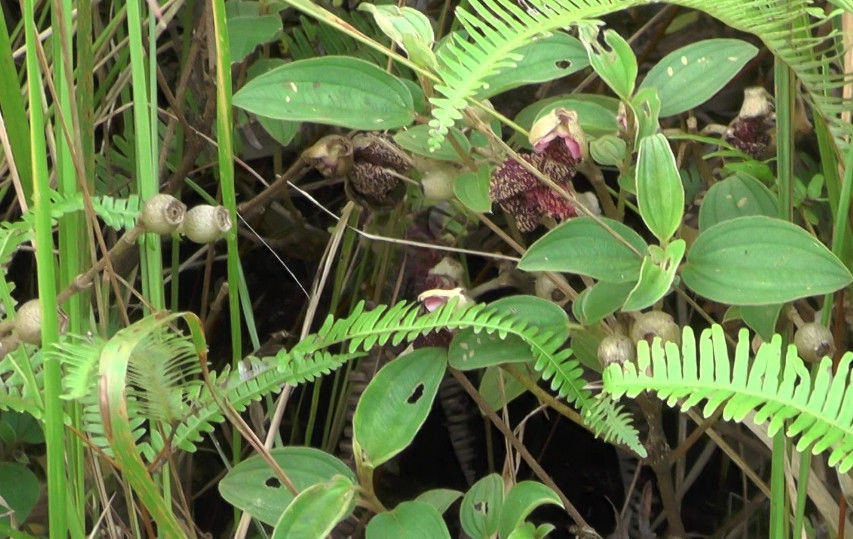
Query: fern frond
{"x": 20, "y": 383}
{"x": 363, "y": 330}
{"x": 611, "y": 423}
{"x": 493, "y": 29}
{"x": 117, "y": 213}
{"x": 162, "y": 371}
{"x": 78, "y": 356}
{"x": 820, "y": 409}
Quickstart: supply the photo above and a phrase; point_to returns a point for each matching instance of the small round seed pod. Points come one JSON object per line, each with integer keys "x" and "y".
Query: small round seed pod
{"x": 162, "y": 214}
{"x": 656, "y": 324}
{"x": 617, "y": 349}
{"x": 814, "y": 341}
{"x": 27, "y": 322}
{"x": 437, "y": 181}
{"x": 205, "y": 223}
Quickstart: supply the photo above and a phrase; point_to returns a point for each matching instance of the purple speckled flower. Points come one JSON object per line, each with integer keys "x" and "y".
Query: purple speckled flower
{"x": 558, "y": 145}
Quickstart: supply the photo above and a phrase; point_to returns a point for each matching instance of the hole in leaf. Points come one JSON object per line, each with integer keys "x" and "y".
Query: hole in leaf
{"x": 273, "y": 482}
{"x": 416, "y": 395}
{"x": 481, "y": 507}
{"x": 562, "y": 64}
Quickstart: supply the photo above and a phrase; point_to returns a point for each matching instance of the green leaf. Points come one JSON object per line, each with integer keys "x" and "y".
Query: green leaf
{"x": 691, "y": 75}
{"x": 608, "y": 150}
{"x": 281, "y": 130}
{"x": 410, "y": 29}
{"x": 617, "y": 66}
{"x": 523, "y": 498}
{"x": 25, "y": 427}
{"x": 582, "y": 246}
{"x": 759, "y": 260}
{"x": 646, "y": 107}
{"x": 253, "y": 487}
{"x": 472, "y": 189}
{"x": 406, "y": 519}
{"x": 247, "y": 32}
{"x": 335, "y": 90}
{"x": 439, "y": 499}
{"x": 528, "y": 531}
{"x": 396, "y": 403}
{"x": 395, "y": 22}
{"x": 480, "y": 511}
{"x": 316, "y": 510}
{"x": 760, "y": 318}
{"x": 599, "y": 300}
{"x": 415, "y": 139}
{"x": 543, "y": 59}
{"x": 737, "y": 196}
{"x": 660, "y": 195}
{"x": 497, "y": 392}
{"x": 470, "y": 350}
{"x": 656, "y": 276}
{"x": 19, "y": 487}
{"x": 584, "y": 344}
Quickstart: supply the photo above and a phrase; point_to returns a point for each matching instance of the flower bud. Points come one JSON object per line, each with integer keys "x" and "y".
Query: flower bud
{"x": 331, "y": 155}
{"x": 435, "y": 298}
{"x": 562, "y": 124}
{"x": 814, "y": 341}
{"x": 162, "y": 214}
{"x": 656, "y": 324}
{"x": 608, "y": 150}
{"x": 205, "y": 223}
{"x": 752, "y": 131}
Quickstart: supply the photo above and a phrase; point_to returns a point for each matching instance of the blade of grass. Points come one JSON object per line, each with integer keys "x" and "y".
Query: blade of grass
{"x": 144, "y": 136}
{"x": 72, "y": 234}
{"x": 53, "y": 416}
{"x": 12, "y": 105}
{"x": 225, "y": 150}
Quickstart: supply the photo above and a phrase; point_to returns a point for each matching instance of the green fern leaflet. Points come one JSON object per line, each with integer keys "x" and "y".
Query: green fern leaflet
{"x": 818, "y": 407}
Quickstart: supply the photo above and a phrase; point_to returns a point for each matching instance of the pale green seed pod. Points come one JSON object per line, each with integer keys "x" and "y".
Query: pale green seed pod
{"x": 814, "y": 341}
{"x": 28, "y": 322}
{"x": 205, "y": 223}
{"x": 617, "y": 349}
{"x": 656, "y": 324}
{"x": 162, "y": 214}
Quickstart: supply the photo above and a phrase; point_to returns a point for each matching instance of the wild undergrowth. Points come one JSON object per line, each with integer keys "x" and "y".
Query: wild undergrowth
{"x": 259, "y": 259}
